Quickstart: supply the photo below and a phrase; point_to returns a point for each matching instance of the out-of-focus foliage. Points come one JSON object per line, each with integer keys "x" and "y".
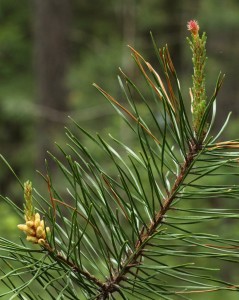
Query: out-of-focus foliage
{"x": 15, "y": 39}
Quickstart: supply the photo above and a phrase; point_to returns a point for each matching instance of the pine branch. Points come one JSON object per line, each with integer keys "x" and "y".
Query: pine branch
{"x": 107, "y": 232}
{"x": 112, "y": 284}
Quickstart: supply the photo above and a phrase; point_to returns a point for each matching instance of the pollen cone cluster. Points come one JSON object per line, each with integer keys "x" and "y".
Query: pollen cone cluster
{"x": 35, "y": 229}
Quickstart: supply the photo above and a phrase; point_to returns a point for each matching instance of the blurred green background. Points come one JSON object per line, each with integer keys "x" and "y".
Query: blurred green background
{"x": 52, "y": 51}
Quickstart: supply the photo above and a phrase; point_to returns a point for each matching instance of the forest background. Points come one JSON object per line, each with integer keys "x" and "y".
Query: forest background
{"x": 52, "y": 51}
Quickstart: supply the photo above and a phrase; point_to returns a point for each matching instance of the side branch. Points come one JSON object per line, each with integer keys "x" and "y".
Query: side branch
{"x": 61, "y": 259}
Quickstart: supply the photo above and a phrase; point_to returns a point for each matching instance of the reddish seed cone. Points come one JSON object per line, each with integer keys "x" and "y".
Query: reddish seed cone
{"x": 193, "y": 27}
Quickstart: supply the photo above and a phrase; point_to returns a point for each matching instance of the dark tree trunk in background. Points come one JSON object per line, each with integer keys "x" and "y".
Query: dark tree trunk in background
{"x": 52, "y": 20}
{"x": 173, "y": 29}
{"x": 128, "y": 28}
